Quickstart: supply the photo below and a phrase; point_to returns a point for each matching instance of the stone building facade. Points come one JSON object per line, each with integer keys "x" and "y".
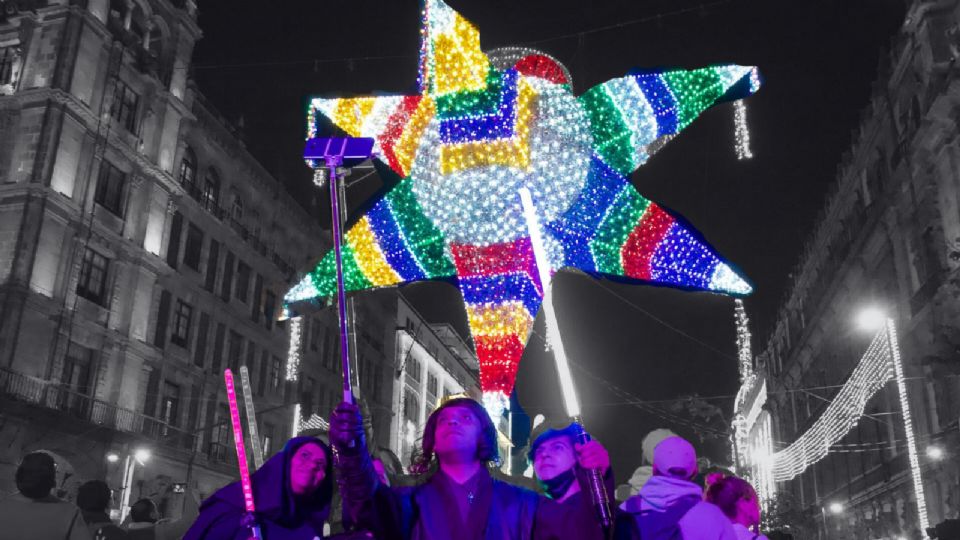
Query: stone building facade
{"x": 142, "y": 251}
{"x": 889, "y": 236}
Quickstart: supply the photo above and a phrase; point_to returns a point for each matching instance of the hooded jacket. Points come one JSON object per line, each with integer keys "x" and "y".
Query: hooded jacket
{"x": 664, "y": 499}
{"x": 280, "y": 514}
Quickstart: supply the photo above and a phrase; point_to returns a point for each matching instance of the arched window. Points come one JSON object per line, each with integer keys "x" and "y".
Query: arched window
{"x": 211, "y": 190}
{"x": 188, "y": 170}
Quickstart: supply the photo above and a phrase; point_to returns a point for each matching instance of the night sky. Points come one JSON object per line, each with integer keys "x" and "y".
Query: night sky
{"x": 261, "y": 62}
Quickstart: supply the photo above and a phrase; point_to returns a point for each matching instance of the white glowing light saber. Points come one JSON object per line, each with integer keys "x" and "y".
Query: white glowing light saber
{"x": 251, "y": 417}
{"x": 245, "y": 483}
{"x": 570, "y": 401}
{"x": 598, "y": 491}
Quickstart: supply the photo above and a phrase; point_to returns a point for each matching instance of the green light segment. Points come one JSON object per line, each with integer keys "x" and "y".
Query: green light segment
{"x": 611, "y": 136}
{"x": 622, "y": 217}
{"x": 325, "y": 274}
{"x": 423, "y": 238}
{"x": 695, "y": 91}
{"x": 472, "y": 103}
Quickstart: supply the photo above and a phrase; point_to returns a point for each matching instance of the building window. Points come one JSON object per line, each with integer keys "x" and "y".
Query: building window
{"x": 182, "y": 315}
{"x": 191, "y": 255}
{"x": 275, "y": 367}
{"x": 237, "y": 208}
{"x": 170, "y": 405}
{"x": 227, "y": 283}
{"x": 188, "y": 171}
{"x": 264, "y": 370}
{"x": 200, "y": 351}
{"x": 110, "y": 188}
{"x": 235, "y": 352}
{"x": 173, "y": 244}
{"x": 125, "y": 104}
{"x": 213, "y": 260}
{"x": 211, "y": 191}
{"x": 411, "y": 407}
{"x": 257, "y": 295}
{"x": 77, "y": 369}
{"x": 269, "y": 308}
{"x": 243, "y": 281}
{"x": 413, "y": 369}
{"x": 7, "y": 56}
{"x": 93, "y": 277}
{"x": 432, "y": 384}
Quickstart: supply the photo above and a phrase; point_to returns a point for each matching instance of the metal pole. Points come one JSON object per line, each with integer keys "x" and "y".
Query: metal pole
{"x": 332, "y": 163}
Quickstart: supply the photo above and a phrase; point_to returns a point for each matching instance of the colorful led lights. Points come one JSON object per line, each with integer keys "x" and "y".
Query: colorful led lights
{"x": 480, "y": 130}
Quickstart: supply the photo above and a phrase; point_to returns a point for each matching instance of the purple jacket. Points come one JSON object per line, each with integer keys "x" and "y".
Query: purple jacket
{"x": 281, "y": 514}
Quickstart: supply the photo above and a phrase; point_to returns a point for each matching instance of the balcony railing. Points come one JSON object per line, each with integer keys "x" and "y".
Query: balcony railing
{"x": 77, "y": 405}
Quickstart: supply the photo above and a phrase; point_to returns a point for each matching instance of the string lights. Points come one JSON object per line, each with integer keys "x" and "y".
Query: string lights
{"x": 478, "y": 132}
{"x": 293, "y": 356}
{"x": 842, "y": 414}
{"x": 742, "y": 130}
{"x": 891, "y": 331}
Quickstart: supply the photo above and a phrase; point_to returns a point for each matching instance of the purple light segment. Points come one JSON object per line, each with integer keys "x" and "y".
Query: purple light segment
{"x": 245, "y": 484}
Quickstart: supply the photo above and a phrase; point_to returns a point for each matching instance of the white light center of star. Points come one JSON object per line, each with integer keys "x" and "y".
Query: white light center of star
{"x": 481, "y": 205}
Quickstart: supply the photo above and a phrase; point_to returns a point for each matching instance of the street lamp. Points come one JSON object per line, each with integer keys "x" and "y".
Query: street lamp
{"x": 834, "y": 508}
{"x": 871, "y": 319}
{"x": 113, "y": 458}
{"x": 141, "y": 456}
{"x": 875, "y": 319}
{"x": 935, "y": 453}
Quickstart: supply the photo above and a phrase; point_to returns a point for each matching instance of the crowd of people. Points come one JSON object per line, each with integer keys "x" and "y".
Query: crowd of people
{"x": 459, "y": 495}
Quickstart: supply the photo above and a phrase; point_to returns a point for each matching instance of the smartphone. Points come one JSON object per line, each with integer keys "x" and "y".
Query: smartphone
{"x": 180, "y": 488}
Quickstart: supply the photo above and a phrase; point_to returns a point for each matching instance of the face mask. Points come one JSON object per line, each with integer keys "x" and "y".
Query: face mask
{"x": 557, "y": 486}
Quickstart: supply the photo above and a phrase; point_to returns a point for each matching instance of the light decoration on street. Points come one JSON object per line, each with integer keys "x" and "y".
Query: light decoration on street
{"x": 891, "y": 332}
{"x": 315, "y": 422}
{"x": 842, "y": 414}
{"x": 293, "y": 355}
{"x": 477, "y": 133}
{"x": 742, "y": 130}
{"x": 880, "y": 364}
{"x": 752, "y": 425}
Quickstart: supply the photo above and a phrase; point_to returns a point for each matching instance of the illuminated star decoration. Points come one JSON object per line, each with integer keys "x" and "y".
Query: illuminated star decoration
{"x": 474, "y": 136}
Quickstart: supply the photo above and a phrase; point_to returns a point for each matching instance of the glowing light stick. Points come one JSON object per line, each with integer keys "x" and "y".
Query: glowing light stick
{"x": 249, "y": 519}
{"x": 597, "y": 490}
{"x": 251, "y": 417}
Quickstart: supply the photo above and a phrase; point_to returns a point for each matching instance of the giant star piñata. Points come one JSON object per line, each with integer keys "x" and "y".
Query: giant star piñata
{"x": 474, "y": 136}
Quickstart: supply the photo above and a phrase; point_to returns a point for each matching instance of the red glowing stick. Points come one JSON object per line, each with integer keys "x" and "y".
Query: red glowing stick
{"x": 245, "y": 484}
